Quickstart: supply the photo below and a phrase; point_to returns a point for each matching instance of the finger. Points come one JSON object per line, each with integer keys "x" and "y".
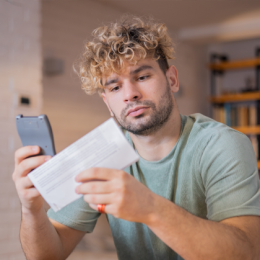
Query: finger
{"x": 94, "y": 206}
{"x": 98, "y": 198}
{"x": 95, "y": 187}
{"x": 29, "y": 164}
{"x": 23, "y": 152}
{"x": 97, "y": 174}
{"x": 25, "y": 183}
{"x": 109, "y": 208}
{"x": 33, "y": 193}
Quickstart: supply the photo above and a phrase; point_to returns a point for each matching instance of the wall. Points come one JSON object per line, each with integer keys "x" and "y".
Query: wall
{"x": 20, "y": 74}
{"x": 190, "y": 61}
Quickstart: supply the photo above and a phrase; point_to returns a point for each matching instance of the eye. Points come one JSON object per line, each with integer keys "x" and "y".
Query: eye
{"x": 142, "y": 78}
{"x": 115, "y": 89}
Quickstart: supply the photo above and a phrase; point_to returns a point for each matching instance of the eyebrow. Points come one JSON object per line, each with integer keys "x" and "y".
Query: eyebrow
{"x": 144, "y": 67}
{"x": 112, "y": 81}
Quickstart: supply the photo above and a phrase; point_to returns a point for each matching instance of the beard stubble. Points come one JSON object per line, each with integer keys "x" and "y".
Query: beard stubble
{"x": 156, "y": 120}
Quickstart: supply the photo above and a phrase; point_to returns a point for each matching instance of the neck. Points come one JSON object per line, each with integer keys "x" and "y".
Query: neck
{"x": 156, "y": 146}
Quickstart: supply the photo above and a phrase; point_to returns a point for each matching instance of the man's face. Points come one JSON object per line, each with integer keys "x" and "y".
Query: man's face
{"x": 140, "y": 98}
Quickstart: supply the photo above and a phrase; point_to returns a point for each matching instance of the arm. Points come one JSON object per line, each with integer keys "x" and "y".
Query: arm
{"x": 40, "y": 237}
{"x": 227, "y": 167}
{"x": 196, "y": 238}
{"x": 191, "y": 237}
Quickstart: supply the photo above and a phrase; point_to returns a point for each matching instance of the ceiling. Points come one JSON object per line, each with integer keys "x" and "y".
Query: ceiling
{"x": 178, "y": 14}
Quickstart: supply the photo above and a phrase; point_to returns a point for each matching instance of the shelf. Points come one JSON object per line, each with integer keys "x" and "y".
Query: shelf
{"x": 247, "y": 130}
{"x": 236, "y": 97}
{"x": 220, "y": 64}
{"x": 239, "y": 64}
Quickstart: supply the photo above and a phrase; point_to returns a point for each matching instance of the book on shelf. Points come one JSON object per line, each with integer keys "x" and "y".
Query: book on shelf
{"x": 252, "y": 115}
{"x": 235, "y": 115}
{"x": 227, "y": 113}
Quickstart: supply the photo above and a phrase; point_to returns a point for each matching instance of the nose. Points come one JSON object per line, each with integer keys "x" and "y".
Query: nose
{"x": 131, "y": 92}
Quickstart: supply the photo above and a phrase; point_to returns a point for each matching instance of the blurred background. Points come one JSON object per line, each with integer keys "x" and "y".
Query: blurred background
{"x": 217, "y": 43}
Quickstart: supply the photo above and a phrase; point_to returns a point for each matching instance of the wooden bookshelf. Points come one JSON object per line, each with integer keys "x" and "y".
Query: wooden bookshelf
{"x": 239, "y": 64}
{"x": 235, "y": 97}
{"x": 248, "y": 130}
{"x": 237, "y": 114}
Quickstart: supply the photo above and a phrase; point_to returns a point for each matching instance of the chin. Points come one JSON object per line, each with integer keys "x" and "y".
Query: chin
{"x": 140, "y": 119}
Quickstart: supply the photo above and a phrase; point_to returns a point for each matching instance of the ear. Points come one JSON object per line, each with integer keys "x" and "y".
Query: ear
{"x": 172, "y": 76}
{"x": 105, "y": 100}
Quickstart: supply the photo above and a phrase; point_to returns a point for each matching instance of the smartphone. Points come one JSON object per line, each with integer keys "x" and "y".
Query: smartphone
{"x": 35, "y": 130}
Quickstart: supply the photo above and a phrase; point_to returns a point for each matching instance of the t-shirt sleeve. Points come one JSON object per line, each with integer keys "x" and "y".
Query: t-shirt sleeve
{"x": 77, "y": 215}
{"x": 230, "y": 176}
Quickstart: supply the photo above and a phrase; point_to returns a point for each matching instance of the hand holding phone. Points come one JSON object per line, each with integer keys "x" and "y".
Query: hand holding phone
{"x": 37, "y": 139}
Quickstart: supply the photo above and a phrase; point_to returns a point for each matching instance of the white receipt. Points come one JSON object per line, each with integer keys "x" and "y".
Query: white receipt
{"x": 105, "y": 146}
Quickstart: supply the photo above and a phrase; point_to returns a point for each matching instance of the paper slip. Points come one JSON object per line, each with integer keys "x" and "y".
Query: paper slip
{"x": 105, "y": 146}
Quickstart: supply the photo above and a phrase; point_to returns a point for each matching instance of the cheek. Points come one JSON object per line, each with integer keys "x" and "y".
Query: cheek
{"x": 115, "y": 107}
{"x": 154, "y": 87}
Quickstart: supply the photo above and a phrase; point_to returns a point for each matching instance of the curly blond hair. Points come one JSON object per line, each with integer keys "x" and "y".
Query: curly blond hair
{"x": 129, "y": 40}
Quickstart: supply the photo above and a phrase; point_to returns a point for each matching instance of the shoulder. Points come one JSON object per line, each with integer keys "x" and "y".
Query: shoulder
{"x": 219, "y": 146}
{"x": 208, "y": 127}
{"x": 209, "y": 132}
{"x": 226, "y": 167}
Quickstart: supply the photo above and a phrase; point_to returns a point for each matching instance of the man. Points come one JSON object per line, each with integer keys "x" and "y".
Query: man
{"x": 194, "y": 194}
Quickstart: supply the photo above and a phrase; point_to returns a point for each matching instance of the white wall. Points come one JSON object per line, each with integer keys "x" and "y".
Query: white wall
{"x": 20, "y": 74}
{"x": 190, "y": 62}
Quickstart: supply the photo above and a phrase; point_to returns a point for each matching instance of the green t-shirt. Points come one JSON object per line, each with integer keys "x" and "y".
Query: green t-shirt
{"x": 211, "y": 172}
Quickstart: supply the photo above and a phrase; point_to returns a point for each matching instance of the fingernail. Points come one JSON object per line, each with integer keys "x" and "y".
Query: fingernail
{"x": 76, "y": 179}
{"x": 35, "y": 148}
{"x": 76, "y": 190}
{"x": 47, "y": 158}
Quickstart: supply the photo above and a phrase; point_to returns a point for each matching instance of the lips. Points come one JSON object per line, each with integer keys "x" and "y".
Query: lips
{"x": 136, "y": 111}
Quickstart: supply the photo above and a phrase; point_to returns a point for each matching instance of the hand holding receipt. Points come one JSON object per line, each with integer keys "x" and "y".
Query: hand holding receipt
{"x": 105, "y": 146}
